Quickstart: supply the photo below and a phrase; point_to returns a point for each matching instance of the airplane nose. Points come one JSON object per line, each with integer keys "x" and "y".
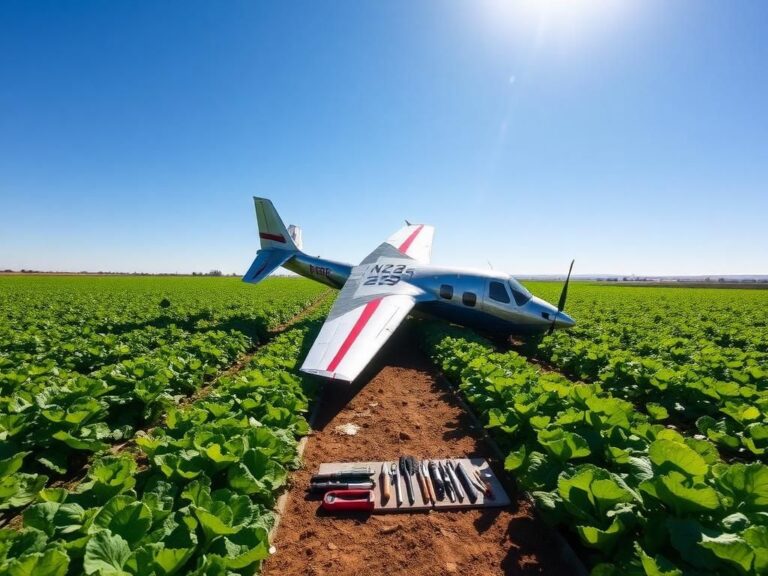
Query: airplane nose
{"x": 562, "y": 320}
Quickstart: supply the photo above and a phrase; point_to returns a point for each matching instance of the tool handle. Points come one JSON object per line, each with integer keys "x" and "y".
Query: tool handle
{"x": 398, "y": 493}
{"x": 386, "y": 494}
{"x": 430, "y": 488}
{"x": 344, "y": 500}
{"x": 422, "y": 487}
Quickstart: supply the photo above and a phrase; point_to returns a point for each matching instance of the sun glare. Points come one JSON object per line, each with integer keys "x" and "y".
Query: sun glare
{"x": 564, "y": 23}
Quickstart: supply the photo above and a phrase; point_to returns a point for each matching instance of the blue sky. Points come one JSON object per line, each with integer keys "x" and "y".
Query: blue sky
{"x": 632, "y": 136}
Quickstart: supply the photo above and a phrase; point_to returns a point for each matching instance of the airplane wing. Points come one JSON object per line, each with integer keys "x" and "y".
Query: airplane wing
{"x": 369, "y": 308}
{"x": 414, "y": 240}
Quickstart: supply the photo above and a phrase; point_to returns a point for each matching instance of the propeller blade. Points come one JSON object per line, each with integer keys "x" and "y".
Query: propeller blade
{"x": 564, "y": 293}
{"x": 563, "y": 296}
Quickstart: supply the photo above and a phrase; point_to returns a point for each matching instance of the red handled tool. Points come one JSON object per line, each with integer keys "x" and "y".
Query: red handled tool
{"x": 348, "y": 500}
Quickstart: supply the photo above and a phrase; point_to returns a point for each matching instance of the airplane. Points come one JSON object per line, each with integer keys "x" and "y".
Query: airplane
{"x": 394, "y": 279}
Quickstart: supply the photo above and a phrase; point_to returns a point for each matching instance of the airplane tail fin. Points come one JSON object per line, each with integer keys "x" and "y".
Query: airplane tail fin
{"x": 272, "y": 231}
{"x": 277, "y": 245}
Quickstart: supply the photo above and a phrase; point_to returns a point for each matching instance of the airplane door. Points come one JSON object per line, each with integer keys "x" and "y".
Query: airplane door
{"x": 497, "y": 299}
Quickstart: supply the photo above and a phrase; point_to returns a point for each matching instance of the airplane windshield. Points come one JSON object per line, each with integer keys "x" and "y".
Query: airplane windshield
{"x": 519, "y": 292}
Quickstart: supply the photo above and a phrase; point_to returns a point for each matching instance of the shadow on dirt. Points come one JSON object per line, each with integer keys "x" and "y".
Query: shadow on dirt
{"x": 401, "y": 350}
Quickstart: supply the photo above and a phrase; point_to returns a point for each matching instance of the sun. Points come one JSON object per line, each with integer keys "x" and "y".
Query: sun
{"x": 558, "y": 22}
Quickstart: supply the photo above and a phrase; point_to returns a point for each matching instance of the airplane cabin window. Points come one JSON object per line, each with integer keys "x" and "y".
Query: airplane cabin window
{"x": 468, "y": 298}
{"x": 497, "y": 292}
{"x": 519, "y": 293}
{"x": 520, "y": 298}
{"x": 446, "y": 291}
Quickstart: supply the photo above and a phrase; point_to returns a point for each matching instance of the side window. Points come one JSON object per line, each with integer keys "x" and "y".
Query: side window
{"x": 498, "y": 292}
{"x": 468, "y": 298}
{"x": 446, "y": 291}
{"x": 520, "y": 298}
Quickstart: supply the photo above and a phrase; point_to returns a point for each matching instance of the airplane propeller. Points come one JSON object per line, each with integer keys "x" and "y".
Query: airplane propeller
{"x": 563, "y": 296}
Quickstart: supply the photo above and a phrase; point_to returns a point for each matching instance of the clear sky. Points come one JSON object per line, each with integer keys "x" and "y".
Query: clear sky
{"x": 632, "y": 136}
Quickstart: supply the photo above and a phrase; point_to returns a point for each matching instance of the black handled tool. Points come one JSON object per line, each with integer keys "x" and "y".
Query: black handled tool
{"x": 407, "y": 466}
{"x": 468, "y": 487}
{"x": 361, "y": 474}
{"x": 446, "y": 482}
{"x": 437, "y": 480}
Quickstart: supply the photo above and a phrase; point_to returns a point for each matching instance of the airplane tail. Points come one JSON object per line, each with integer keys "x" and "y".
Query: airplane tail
{"x": 272, "y": 231}
{"x": 277, "y": 245}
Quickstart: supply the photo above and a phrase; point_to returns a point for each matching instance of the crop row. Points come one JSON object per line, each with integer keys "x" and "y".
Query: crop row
{"x": 192, "y": 496}
{"x": 695, "y": 358}
{"x": 53, "y": 416}
{"x": 640, "y": 497}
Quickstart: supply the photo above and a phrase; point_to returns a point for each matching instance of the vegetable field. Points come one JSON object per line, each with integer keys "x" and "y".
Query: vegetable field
{"x": 147, "y": 424}
{"x": 124, "y": 447}
{"x": 643, "y": 431}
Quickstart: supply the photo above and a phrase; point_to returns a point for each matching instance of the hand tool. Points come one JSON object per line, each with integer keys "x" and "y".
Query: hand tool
{"x": 446, "y": 482}
{"x": 406, "y": 469}
{"x": 454, "y": 480}
{"x": 384, "y": 483}
{"x": 396, "y": 482}
{"x": 464, "y": 478}
{"x": 325, "y": 486}
{"x": 422, "y": 483}
{"x": 485, "y": 480}
{"x": 437, "y": 480}
{"x": 477, "y": 482}
{"x": 355, "y": 474}
{"x": 344, "y": 500}
{"x": 428, "y": 480}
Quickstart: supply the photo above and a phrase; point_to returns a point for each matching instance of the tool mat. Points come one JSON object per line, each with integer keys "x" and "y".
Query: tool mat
{"x": 499, "y": 499}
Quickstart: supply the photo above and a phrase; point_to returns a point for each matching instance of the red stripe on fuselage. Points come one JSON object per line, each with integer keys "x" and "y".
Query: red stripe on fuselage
{"x": 368, "y": 311}
{"x": 408, "y": 241}
{"x": 275, "y": 237}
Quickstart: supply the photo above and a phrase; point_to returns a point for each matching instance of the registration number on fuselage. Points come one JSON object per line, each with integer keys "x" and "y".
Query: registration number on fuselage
{"x": 320, "y": 270}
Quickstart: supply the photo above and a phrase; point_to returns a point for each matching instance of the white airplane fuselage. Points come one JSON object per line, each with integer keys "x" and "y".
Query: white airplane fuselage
{"x": 488, "y": 301}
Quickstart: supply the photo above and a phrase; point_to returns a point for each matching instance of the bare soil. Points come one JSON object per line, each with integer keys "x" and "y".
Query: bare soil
{"x": 403, "y": 407}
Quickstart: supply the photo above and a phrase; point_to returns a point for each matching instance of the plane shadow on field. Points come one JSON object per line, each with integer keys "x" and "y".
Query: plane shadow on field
{"x": 401, "y": 350}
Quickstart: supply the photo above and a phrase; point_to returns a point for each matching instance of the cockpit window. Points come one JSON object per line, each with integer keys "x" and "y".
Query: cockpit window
{"x": 497, "y": 292}
{"x": 519, "y": 293}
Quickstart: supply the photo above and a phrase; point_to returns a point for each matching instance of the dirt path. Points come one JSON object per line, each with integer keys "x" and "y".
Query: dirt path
{"x": 402, "y": 407}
